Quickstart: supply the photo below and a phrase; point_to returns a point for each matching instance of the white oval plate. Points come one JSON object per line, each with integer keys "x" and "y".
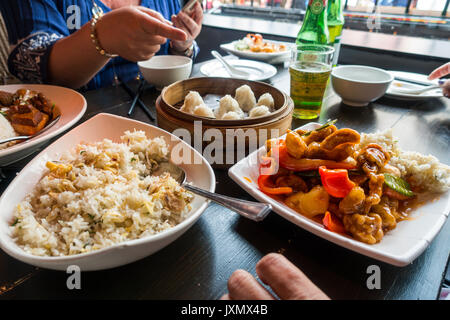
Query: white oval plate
{"x": 258, "y": 70}
{"x": 269, "y": 57}
{"x": 420, "y": 78}
{"x": 96, "y": 129}
{"x": 72, "y": 106}
{"x": 398, "y": 247}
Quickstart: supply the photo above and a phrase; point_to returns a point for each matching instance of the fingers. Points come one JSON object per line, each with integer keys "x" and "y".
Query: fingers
{"x": 440, "y": 72}
{"x": 197, "y": 13}
{"x": 153, "y": 25}
{"x": 286, "y": 280}
{"x": 243, "y": 286}
{"x": 446, "y": 88}
{"x": 225, "y": 297}
{"x": 154, "y": 14}
{"x": 189, "y": 24}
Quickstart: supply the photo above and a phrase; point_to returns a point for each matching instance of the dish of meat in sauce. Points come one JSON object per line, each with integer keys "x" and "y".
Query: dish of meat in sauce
{"x": 28, "y": 111}
{"x": 329, "y": 176}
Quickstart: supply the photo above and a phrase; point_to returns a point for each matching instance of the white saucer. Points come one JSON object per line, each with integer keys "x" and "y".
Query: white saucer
{"x": 421, "y": 80}
{"x": 258, "y": 70}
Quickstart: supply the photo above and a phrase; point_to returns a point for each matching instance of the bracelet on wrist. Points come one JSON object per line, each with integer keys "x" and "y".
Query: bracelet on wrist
{"x": 96, "y": 42}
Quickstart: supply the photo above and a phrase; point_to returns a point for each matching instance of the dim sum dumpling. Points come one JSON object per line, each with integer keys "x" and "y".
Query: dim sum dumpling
{"x": 192, "y": 100}
{"x": 266, "y": 100}
{"x": 259, "y": 111}
{"x": 204, "y": 111}
{"x": 245, "y": 97}
{"x": 231, "y": 115}
{"x": 227, "y": 104}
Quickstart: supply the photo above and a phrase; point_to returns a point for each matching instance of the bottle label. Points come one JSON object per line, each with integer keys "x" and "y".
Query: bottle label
{"x": 317, "y": 6}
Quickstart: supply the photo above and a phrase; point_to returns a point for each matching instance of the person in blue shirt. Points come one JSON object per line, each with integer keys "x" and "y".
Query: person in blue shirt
{"x": 60, "y": 41}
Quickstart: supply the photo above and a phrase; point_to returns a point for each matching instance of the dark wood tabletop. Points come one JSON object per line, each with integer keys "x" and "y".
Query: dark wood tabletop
{"x": 199, "y": 263}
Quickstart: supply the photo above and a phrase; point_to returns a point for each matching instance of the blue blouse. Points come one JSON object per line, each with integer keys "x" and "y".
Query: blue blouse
{"x": 35, "y": 25}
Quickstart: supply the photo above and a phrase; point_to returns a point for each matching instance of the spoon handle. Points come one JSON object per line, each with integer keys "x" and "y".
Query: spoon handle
{"x": 252, "y": 210}
{"x": 14, "y": 139}
{"x": 224, "y": 63}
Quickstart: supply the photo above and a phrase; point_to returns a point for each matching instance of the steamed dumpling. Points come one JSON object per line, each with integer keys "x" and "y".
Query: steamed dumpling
{"x": 203, "y": 111}
{"x": 228, "y": 104}
{"x": 259, "y": 111}
{"x": 231, "y": 115}
{"x": 192, "y": 100}
{"x": 245, "y": 97}
{"x": 266, "y": 100}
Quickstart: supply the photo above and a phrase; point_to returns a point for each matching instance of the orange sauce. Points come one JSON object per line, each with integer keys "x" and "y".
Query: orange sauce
{"x": 405, "y": 208}
{"x": 248, "y": 179}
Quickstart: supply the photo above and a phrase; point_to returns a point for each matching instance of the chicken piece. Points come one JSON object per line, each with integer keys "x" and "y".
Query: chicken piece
{"x": 295, "y": 182}
{"x": 365, "y": 228}
{"x": 376, "y": 182}
{"x": 393, "y": 205}
{"x": 319, "y": 135}
{"x": 389, "y": 221}
{"x": 295, "y": 145}
{"x": 372, "y": 158}
{"x": 6, "y": 98}
{"x": 391, "y": 170}
{"x": 353, "y": 201}
{"x": 309, "y": 204}
{"x": 339, "y": 137}
{"x": 340, "y": 153}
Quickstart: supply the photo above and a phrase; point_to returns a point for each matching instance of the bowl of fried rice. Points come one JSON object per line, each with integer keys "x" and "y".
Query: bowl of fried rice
{"x": 90, "y": 198}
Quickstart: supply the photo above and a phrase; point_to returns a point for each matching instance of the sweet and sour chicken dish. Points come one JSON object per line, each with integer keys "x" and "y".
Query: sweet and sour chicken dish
{"x": 328, "y": 175}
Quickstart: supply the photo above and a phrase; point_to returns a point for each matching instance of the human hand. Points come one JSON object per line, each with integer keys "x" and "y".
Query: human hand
{"x": 284, "y": 278}
{"x": 191, "y": 23}
{"x": 442, "y": 71}
{"x": 136, "y": 33}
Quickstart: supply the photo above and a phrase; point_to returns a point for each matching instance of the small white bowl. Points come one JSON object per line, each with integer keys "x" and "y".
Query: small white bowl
{"x": 162, "y": 71}
{"x": 360, "y": 85}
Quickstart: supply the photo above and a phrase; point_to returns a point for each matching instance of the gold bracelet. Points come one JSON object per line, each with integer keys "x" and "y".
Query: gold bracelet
{"x": 95, "y": 40}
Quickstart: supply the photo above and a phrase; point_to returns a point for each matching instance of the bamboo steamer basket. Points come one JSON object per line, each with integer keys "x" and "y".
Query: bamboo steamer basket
{"x": 170, "y": 118}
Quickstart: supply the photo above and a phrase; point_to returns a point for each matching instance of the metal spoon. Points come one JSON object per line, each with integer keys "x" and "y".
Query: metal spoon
{"x": 232, "y": 71}
{"x": 414, "y": 91}
{"x": 251, "y": 210}
{"x": 51, "y": 124}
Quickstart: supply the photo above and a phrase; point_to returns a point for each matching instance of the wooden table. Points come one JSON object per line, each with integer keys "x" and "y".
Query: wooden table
{"x": 198, "y": 264}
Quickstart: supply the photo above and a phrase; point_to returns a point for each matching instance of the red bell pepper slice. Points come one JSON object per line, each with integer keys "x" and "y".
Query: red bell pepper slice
{"x": 265, "y": 185}
{"x": 336, "y": 182}
{"x": 332, "y": 223}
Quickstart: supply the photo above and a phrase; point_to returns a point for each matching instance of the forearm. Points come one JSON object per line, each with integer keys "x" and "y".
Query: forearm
{"x": 74, "y": 61}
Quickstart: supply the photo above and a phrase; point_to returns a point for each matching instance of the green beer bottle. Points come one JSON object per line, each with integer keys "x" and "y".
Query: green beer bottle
{"x": 335, "y": 23}
{"x": 314, "y": 29}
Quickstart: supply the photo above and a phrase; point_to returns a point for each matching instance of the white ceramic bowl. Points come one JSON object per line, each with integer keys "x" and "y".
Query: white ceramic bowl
{"x": 162, "y": 71}
{"x": 96, "y": 129}
{"x": 360, "y": 85}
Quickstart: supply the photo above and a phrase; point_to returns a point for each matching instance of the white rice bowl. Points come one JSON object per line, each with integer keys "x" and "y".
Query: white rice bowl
{"x": 98, "y": 195}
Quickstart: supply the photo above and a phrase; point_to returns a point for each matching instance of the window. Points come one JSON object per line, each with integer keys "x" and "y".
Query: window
{"x": 418, "y": 18}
